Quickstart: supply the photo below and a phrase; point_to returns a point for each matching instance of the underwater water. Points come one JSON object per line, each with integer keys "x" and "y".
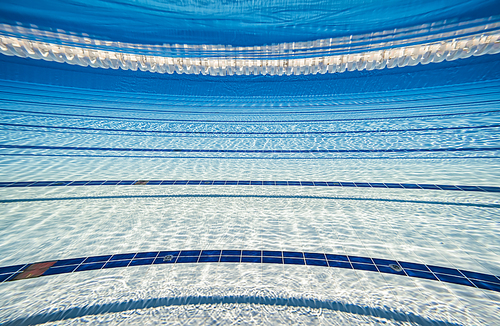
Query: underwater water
{"x": 278, "y": 162}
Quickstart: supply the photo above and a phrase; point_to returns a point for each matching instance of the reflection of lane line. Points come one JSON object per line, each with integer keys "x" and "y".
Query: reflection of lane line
{"x": 386, "y": 266}
{"x": 286, "y": 183}
{"x": 296, "y": 58}
{"x": 139, "y": 304}
{"x": 425, "y": 202}
{"x": 277, "y": 151}
{"x": 240, "y": 121}
{"x": 252, "y": 133}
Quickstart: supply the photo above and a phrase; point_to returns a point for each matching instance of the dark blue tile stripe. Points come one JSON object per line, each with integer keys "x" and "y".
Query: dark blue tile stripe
{"x": 247, "y": 151}
{"x": 430, "y": 272}
{"x": 340, "y": 132}
{"x": 410, "y": 186}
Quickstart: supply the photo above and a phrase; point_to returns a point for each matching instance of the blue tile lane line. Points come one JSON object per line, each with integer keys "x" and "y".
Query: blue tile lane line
{"x": 411, "y": 186}
{"x": 246, "y": 151}
{"x": 408, "y": 269}
{"x": 250, "y": 133}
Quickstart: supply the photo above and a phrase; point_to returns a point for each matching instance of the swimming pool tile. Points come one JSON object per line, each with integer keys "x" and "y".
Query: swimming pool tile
{"x": 117, "y": 263}
{"x": 293, "y": 254}
{"x": 410, "y": 186}
{"x": 164, "y": 260}
{"x": 78, "y": 183}
{"x": 272, "y": 260}
{"x": 449, "y": 187}
{"x": 111, "y": 182}
{"x": 339, "y": 264}
{"x": 229, "y": 259}
{"x": 316, "y": 262}
{"x": 11, "y": 269}
{"x": 96, "y": 259}
{"x": 60, "y": 270}
{"x": 486, "y": 285}
{"x": 357, "y": 259}
{"x": 490, "y": 189}
{"x": 126, "y": 182}
{"x": 142, "y": 261}
{"x": 470, "y": 188}
{"x": 6, "y": 277}
{"x": 364, "y": 267}
{"x": 250, "y": 259}
{"x": 337, "y": 257}
{"x": 453, "y": 279}
{"x": 389, "y": 270}
{"x": 194, "y": 253}
{"x": 209, "y": 259}
{"x": 50, "y": 183}
{"x": 481, "y": 276}
{"x": 211, "y": 252}
{"x": 231, "y": 253}
{"x": 415, "y": 266}
{"x": 150, "y": 254}
{"x": 429, "y": 186}
{"x": 95, "y": 183}
{"x": 294, "y": 261}
{"x": 393, "y": 185}
{"x": 187, "y": 259}
{"x": 384, "y": 262}
{"x": 174, "y": 253}
{"x": 122, "y": 256}
{"x": 313, "y": 255}
{"x": 251, "y": 253}
{"x": 272, "y": 253}
{"x": 65, "y": 262}
{"x": 89, "y": 267}
{"x": 420, "y": 274}
{"x": 21, "y": 184}
{"x": 377, "y": 185}
{"x": 445, "y": 270}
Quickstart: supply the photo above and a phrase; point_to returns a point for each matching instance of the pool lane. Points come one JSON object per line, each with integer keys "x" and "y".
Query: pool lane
{"x": 410, "y": 186}
{"x": 402, "y": 268}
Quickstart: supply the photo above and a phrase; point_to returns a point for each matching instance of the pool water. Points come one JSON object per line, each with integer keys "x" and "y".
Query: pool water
{"x": 230, "y": 194}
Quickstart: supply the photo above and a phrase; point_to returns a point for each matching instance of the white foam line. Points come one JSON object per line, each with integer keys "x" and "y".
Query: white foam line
{"x": 242, "y": 61}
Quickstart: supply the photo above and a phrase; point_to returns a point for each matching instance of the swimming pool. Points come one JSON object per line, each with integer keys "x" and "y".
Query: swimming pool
{"x": 264, "y": 163}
